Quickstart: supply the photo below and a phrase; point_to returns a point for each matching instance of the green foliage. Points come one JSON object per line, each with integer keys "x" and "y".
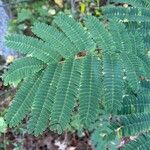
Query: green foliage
{"x": 22, "y": 68}
{"x": 89, "y": 91}
{"x": 66, "y": 95}
{"x": 75, "y": 33}
{"x": 142, "y": 28}
{"x": 136, "y": 18}
{"x": 134, "y": 123}
{"x": 43, "y": 100}
{"x": 24, "y": 15}
{"x": 32, "y": 47}
{"x": 140, "y": 143}
{"x": 103, "y": 137}
{"x": 137, "y": 103}
{"x": 79, "y": 77}
{"x": 57, "y": 38}
{"x": 135, "y": 3}
{"x": 22, "y": 103}
{"x": 127, "y": 14}
{"x": 98, "y": 70}
{"x": 134, "y": 116}
{"x": 113, "y": 83}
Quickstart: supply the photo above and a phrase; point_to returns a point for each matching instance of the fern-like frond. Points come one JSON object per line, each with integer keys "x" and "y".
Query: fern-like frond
{"x": 103, "y": 136}
{"x": 23, "y": 100}
{"x": 139, "y": 103}
{"x": 43, "y": 101}
{"x": 120, "y": 40}
{"x": 138, "y": 65}
{"x": 135, "y": 104}
{"x": 145, "y": 85}
{"x": 57, "y": 40}
{"x": 134, "y": 3}
{"x": 57, "y": 73}
{"x": 90, "y": 89}
{"x": 124, "y": 40}
{"x": 146, "y": 63}
{"x": 143, "y": 29}
{"x": 121, "y": 37}
{"x": 22, "y": 68}
{"x": 75, "y": 32}
{"x": 113, "y": 83}
{"x": 66, "y": 93}
{"x": 128, "y": 105}
{"x": 138, "y": 43}
{"x": 127, "y": 14}
{"x": 147, "y": 3}
{"x": 142, "y": 142}
{"x": 33, "y": 47}
{"x": 134, "y": 123}
{"x": 100, "y": 34}
{"x": 131, "y": 75}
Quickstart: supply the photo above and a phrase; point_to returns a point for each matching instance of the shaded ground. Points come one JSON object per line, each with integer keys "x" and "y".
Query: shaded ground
{"x": 48, "y": 141}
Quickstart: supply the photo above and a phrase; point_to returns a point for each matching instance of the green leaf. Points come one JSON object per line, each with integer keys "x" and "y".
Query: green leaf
{"x": 22, "y": 68}
{"x": 127, "y": 14}
{"x": 57, "y": 40}
{"x": 24, "y": 14}
{"x": 75, "y": 32}
{"x": 43, "y": 101}
{"x": 32, "y": 47}
{"x": 99, "y": 33}
{"x": 134, "y": 123}
{"x": 89, "y": 91}
{"x": 113, "y": 83}
{"x": 23, "y": 100}
{"x": 132, "y": 78}
{"x": 66, "y": 95}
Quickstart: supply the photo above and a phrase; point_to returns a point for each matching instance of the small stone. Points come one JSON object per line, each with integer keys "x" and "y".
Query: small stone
{"x": 52, "y": 12}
